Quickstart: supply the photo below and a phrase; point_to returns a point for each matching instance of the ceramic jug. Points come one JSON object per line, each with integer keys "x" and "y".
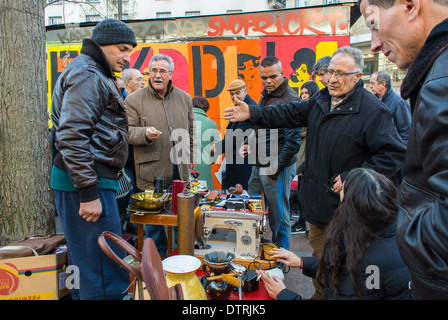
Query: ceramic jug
{"x": 182, "y": 269}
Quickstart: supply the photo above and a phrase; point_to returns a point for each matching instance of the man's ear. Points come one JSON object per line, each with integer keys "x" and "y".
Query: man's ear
{"x": 411, "y": 8}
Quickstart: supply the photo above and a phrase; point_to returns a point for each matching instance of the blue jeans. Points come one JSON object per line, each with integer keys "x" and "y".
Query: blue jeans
{"x": 100, "y": 278}
{"x": 277, "y": 200}
{"x": 158, "y": 234}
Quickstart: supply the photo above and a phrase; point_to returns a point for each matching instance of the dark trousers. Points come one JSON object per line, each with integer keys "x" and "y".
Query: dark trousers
{"x": 100, "y": 278}
{"x": 157, "y": 233}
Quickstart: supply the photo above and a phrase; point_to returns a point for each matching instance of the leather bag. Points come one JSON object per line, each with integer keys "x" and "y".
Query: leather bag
{"x": 31, "y": 246}
{"x": 149, "y": 271}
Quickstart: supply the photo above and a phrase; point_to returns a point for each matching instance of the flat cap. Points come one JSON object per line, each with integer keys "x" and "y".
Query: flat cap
{"x": 236, "y": 84}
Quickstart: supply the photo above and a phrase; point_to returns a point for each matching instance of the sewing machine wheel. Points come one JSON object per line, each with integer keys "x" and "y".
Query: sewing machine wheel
{"x": 262, "y": 226}
{"x": 247, "y": 240}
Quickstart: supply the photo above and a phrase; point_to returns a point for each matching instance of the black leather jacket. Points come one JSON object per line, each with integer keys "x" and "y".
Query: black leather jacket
{"x": 90, "y": 123}
{"x": 422, "y": 232}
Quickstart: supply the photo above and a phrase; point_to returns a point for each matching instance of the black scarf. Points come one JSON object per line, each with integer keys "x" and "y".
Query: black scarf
{"x": 435, "y": 45}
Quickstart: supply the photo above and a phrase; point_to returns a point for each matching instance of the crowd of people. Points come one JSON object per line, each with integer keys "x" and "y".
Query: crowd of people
{"x": 371, "y": 182}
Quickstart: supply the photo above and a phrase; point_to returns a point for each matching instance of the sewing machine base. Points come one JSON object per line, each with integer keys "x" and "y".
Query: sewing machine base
{"x": 247, "y": 261}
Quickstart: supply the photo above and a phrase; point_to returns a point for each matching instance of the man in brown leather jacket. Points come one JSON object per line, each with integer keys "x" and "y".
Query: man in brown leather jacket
{"x": 91, "y": 142}
{"x": 422, "y": 232}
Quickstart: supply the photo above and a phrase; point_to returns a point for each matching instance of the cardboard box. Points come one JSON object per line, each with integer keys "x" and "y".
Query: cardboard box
{"x": 34, "y": 278}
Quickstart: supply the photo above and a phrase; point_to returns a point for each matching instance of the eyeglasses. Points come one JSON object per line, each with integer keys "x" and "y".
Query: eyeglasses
{"x": 339, "y": 73}
{"x": 161, "y": 71}
{"x": 139, "y": 79}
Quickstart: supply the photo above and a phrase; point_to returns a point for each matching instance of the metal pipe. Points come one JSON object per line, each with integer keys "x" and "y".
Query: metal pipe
{"x": 185, "y": 223}
{"x": 120, "y": 10}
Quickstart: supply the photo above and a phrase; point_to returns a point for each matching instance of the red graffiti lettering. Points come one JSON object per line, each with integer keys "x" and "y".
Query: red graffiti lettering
{"x": 318, "y": 21}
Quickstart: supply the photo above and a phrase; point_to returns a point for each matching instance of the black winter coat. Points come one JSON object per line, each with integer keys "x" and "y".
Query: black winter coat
{"x": 359, "y": 132}
{"x": 422, "y": 232}
{"x": 238, "y": 169}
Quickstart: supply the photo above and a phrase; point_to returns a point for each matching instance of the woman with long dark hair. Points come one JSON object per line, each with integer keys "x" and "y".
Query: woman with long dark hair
{"x": 360, "y": 258}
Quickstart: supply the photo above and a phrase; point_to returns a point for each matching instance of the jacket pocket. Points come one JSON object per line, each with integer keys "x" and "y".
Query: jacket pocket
{"x": 329, "y": 187}
{"x": 148, "y": 157}
{"x": 332, "y": 199}
{"x": 412, "y": 199}
{"x": 146, "y": 164}
{"x": 420, "y": 250}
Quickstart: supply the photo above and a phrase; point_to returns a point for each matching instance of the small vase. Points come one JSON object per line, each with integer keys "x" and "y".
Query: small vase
{"x": 182, "y": 269}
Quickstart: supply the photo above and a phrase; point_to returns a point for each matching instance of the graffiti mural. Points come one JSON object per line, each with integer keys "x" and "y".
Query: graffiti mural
{"x": 206, "y": 68}
{"x": 210, "y": 52}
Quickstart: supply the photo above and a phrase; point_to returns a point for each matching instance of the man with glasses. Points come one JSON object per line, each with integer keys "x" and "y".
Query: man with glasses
{"x": 132, "y": 81}
{"x": 347, "y": 127}
{"x": 161, "y": 131}
{"x": 319, "y": 69}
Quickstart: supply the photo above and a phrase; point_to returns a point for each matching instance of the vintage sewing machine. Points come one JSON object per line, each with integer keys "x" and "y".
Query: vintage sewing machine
{"x": 249, "y": 227}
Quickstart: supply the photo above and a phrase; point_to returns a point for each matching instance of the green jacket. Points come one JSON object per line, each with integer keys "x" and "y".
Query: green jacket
{"x": 207, "y": 134}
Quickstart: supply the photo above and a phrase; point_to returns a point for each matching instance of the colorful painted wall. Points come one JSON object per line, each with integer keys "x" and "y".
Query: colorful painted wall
{"x": 210, "y": 52}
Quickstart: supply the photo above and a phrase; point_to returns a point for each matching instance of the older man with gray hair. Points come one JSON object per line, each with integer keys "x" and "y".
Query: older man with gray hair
{"x": 348, "y": 127}
{"x": 161, "y": 123}
{"x": 132, "y": 81}
{"x": 380, "y": 85}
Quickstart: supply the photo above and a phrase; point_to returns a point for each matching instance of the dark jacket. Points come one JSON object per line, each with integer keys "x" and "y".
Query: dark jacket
{"x": 288, "y": 143}
{"x": 393, "y": 276}
{"x": 422, "y": 232}
{"x": 359, "y": 132}
{"x": 400, "y": 111}
{"x": 90, "y": 123}
{"x": 238, "y": 169}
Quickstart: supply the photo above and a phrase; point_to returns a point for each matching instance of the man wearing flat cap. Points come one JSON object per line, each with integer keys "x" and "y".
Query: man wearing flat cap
{"x": 90, "y": 131}
{"x": 238, "y": 169}
{"x": 275, "y": 151}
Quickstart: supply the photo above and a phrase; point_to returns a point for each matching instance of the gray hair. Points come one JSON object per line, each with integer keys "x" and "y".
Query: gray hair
{"x": 127, "y": 75}
{"x": 382, "y": 76}
{"x": 158, "y": 57}
{"x": 322, "y": 64}
{"x": 355, "y": 53}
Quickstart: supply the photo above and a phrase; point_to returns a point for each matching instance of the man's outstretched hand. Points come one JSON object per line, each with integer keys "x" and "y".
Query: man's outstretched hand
{"x": 239, "y": 112}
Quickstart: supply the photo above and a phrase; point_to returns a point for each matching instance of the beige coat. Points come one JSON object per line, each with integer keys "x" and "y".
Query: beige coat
{"x": 173, "y": 116}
